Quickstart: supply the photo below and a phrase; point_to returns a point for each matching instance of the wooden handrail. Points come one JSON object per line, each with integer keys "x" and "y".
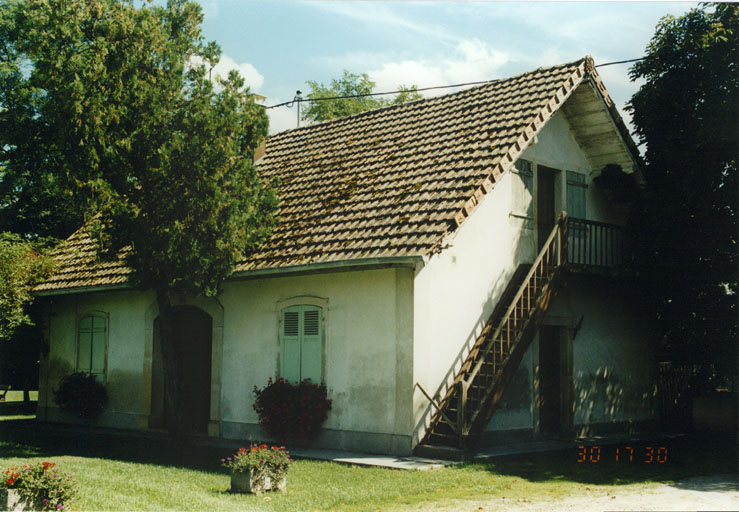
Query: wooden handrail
{"x": 438, "y": 407}
{"x": 557, "y": 239}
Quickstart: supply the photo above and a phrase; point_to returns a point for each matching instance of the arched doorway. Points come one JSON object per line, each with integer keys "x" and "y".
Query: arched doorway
{"x": 192, "y": 334}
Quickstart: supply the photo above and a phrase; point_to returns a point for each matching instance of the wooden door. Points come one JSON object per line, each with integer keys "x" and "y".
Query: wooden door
{"x": 550, "y": 385}
{"x": 545, "y": 214}
{"x": 193, "y": 338}
{"x": 192, "y": 333}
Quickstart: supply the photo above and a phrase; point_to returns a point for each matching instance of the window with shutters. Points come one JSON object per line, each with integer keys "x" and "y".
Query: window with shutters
{"x": 301, "y": 343}
{"x": 91, "y": 345}
{"x": 523, "y": 192}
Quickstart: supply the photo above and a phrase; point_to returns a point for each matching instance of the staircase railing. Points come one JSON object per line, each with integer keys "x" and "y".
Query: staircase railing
{"x": 595, "y": 244}
{"x": 552, "y": 255}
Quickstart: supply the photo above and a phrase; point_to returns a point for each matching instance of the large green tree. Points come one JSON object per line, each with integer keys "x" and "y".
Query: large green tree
{"x": 686, "y": 114}
{"x": 155, "y": 158}
{"x": 351, "y": 92}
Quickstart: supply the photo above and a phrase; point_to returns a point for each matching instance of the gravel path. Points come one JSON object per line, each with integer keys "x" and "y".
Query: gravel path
{"x": 699, "y": 493}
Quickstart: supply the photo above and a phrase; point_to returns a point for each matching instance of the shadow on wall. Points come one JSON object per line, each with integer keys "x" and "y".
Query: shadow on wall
{"x": 522, "y": 253}
{"x": 604, "y": 396}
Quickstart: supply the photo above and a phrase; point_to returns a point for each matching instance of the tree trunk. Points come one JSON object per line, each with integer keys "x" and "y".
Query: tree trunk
{"x": 172, "y": 365}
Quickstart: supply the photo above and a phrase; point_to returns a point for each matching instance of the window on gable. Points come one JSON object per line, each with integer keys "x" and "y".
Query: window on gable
{"x": 91, "y": 345}
{"x": 301, "y": 344}
{"x": 523, "y": 192}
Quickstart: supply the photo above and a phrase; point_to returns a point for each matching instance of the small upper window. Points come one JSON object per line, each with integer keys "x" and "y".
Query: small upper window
{"x": 91, "y": 345}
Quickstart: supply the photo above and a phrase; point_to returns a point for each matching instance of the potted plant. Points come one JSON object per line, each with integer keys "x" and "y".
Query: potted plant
{"x": 258, "y": 468}
{"x": 36, "y": 486}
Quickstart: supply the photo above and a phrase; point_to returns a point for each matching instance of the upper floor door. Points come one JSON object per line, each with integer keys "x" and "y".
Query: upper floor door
{"x": 545, "y": 203}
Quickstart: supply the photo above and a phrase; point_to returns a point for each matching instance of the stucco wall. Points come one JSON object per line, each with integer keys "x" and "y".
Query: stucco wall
{"x": 368, "y": 346}
{"x": 456, "y": 291}
{"x": 367, "y": 365}
{"x": 125, "y": 352}
{"x": 458, "y": 288}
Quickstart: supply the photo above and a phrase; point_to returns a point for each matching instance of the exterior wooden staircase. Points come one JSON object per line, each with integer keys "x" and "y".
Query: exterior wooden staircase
{"x": 481, "y": 381}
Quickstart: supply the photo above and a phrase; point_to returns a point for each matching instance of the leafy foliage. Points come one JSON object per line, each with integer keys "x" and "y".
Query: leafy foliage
{"x": 22, "y": 264}
{"x": 41, "y": 485}
{"x": 686, "y": 225}
{"x": 351, "y": 84}
{"x": 292, "y": 411}
{"x": 113, "y": 114}
{"x": 81, "y": 395}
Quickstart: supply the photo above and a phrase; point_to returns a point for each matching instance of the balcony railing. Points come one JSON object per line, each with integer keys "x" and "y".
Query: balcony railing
{"x": 595, "y": 245}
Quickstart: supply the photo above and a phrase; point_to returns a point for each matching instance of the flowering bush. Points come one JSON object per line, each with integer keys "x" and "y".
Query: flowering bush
{"x": 291, "y": 411}
{"x": 40, "y": 485}
{"x": 82, "y": 395}
{"x": 272, "y": 462}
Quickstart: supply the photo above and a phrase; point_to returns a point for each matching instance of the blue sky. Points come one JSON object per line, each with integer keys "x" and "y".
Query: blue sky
{"x": 278, "y": 45}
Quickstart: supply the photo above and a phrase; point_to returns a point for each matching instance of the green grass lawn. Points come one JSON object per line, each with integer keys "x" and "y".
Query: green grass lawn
{"x": 127, "y": 473}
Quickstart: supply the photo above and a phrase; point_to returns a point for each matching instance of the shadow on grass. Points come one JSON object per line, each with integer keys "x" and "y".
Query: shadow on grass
{"x": 27, "y": 438}
{"x": 699, "y": 453}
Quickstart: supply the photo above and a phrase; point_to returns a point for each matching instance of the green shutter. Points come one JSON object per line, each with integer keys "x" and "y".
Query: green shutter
{"x": 523, "y": 191}
{"x": 576, "y": 188}
{"x": 84, "y": 344}
{"x": 576, "y": 208}
{"x": 91, "y": 346}
{"x": 290, "y": 344}
{"x": 301, "y": 353}
{"x": 311, "y": 347}
{"x": 97, "y": 361}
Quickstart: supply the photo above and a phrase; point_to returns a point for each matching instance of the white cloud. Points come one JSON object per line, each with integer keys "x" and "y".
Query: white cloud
{"x": 368, "y": 13}
{"x": 252, "y": 77}
{"x": 282, "y": 118}
{"x": 471, "y": 61}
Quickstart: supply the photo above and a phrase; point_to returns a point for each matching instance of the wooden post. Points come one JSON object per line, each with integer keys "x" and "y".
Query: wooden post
{"x": 461, "y": 404}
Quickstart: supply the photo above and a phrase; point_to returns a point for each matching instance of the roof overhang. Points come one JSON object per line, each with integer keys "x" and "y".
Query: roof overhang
{"x": 295, "y": 270}
{"x": 599, "y": 130}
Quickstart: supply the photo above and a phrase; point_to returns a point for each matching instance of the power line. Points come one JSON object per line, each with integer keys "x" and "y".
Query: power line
{"x": 289, "y": 103}
{"x": 619, "y": 62}
{"x": 299, "y": 99}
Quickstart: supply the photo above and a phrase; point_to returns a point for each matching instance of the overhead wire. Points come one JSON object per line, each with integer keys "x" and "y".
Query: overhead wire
{"x": 291, "y": 102}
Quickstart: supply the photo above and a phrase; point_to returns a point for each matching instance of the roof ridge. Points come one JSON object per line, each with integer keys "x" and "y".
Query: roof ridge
{"x": 375, "y": 111}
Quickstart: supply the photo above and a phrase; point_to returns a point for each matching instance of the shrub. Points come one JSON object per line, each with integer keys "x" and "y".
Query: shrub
{"x": 265, "y": 462}
{"x": 41, "y": 486}
{"x": 291, "y": 411}
{"x": 81, "y": 395}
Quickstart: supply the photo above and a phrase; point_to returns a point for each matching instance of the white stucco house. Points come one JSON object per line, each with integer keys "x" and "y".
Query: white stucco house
{"x": 404, "y": 236}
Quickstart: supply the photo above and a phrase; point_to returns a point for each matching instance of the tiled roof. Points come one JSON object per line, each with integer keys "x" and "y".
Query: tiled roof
{"x": 386, "y": 183}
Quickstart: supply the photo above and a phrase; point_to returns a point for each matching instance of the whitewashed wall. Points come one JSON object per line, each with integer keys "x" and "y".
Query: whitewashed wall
{"x": 368, "y": 354}
{"x": 125, "y": 352}
{"x": 458, "y": 289}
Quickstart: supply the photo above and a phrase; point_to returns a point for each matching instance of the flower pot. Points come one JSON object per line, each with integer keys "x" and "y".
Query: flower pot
{"x": 11, "y": 500}
{"x": 245, "y": 482}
